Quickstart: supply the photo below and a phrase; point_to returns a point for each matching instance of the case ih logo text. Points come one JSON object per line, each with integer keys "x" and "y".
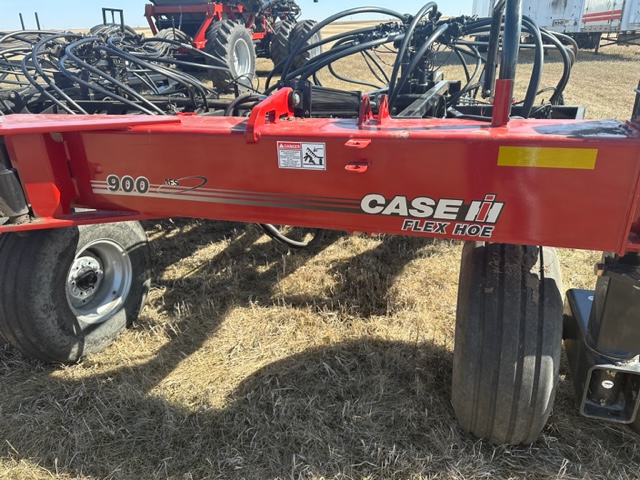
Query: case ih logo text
{"x": 474, "y": 219}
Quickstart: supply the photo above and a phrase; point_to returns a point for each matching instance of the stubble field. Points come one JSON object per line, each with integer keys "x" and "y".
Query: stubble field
{"x": 252, "y": 361}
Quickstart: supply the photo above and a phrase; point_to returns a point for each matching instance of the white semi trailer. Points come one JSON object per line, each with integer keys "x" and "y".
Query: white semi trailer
{"x": 585, "y": 20}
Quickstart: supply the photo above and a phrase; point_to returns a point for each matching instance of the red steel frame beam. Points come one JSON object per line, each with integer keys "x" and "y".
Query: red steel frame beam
{"x": 540, "y": 182}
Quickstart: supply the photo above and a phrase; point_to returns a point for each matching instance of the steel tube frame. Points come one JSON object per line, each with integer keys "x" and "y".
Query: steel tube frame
{"x": 537, "y": 182}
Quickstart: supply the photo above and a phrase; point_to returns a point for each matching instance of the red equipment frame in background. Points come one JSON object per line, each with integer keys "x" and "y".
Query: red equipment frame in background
{"x": 212, "y": 12}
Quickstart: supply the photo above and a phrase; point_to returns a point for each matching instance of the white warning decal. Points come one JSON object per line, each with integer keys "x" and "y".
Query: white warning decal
{"x": 303, "y": 155}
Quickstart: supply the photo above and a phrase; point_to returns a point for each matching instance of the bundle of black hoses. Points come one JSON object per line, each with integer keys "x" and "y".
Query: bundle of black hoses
{"x": 413, "y": 41}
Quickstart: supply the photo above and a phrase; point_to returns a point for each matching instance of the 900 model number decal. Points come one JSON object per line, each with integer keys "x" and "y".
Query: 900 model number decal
{"x": 127, "y": 184}
{"x": 141, "y": 185}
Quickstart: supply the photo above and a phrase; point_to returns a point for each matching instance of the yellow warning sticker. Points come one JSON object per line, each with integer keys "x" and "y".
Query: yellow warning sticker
{"x": 548, "y": 157}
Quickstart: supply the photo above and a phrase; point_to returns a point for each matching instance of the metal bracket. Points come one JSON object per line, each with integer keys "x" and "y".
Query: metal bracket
{"x": 270, "y": 110}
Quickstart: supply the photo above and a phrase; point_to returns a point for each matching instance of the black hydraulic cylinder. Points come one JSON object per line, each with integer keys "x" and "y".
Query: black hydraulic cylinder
{"x": 511, "y": 39}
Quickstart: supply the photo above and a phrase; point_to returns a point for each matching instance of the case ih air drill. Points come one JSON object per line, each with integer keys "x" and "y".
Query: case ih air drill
{"x": 413, "y": 155}
{"x": 235, "y": 31}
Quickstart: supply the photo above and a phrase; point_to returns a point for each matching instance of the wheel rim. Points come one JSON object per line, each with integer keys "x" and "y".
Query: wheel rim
{"x": 241, "y": 58}
{"x": 98, "y": 281}
{"x": 315, "y": 51}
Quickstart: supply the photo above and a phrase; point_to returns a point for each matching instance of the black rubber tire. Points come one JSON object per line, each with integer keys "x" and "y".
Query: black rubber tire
{"x": 281, "y": 43}
{"x": 111, "y": 29}
{"x": 302, "y": 28}
{"x": 508, "y": 341}
{"x": 35, "y": 314}
{"x": 587, "y": 41}
{"x": 164, "y": 48}
{"x": 173, "y": 34}
{"x": 222, "y": 38}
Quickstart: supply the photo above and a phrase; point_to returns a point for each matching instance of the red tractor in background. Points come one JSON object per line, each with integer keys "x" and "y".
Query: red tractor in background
{"x": 235, "y": 31}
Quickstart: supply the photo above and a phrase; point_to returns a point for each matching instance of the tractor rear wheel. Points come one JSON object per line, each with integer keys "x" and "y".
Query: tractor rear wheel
{"x": 301, "y": 29}
{"x": 164, "y": 48}
{"x": 281, "y": 43}
{"x": 508, "y": 341}
{"x": 231, "y": 42}
{"x": 69, "y": 292}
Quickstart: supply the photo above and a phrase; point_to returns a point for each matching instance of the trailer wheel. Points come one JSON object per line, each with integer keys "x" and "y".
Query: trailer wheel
{"x": 69, "y": 292}
{"x": 281, "y": 43}
{"x": 508, "y": 341}
{"x": 232, "y": 43}
{"x": 301, "y": 29}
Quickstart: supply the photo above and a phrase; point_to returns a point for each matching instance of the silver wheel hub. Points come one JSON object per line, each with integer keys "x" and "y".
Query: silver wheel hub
{"x": 84, "y": 279}
{"x": 241, "y": 58}
{"x": 98, "y": 281}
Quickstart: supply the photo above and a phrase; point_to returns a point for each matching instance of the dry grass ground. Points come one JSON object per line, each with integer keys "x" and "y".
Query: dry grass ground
{"x": 250, "y": 361}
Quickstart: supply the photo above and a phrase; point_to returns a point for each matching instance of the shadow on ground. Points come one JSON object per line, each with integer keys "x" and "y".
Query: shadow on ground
{"x": 363, "y": 408}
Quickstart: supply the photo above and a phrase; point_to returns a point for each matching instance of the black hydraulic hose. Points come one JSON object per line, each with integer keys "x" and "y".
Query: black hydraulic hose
{"x": 402, "y": 50}
{"x": 381, "y": 75}
{"x": 223, "y": 65}
{"x": 472, "y": 80}
{"x": 340, "y": 36}
{"x": 105, "y": 92}
{"x": 38, "y": 67}
{"x": 355, "y": 81}
{"x": 375, "y": 68}
{"x": 492, "y": 49}
{"x": 349, "y": 79}
{"x": 189, "y": 48}
{"x": 463, "y": 62}
{"x": 567, "y": 39}
{"x": 173, "y": 61}
{"x": 273, "y": 232}
{"x": 13, "y": 69}
{"x": 144, "y": 78}
{"x": 566, "y": 72}
{"x": 40, "y": 88}
{"x": 336, "y": 39}
{"x": 324, "y": 59}
{"x": 319, "y": 26}
{"x": 511, "y": 39}
{"x": 171, "y": 74}
{"x": 94, "y": 86}
{"x": 69, "y": 53}
{"x": 239, "y": 100}
{"x": 17, "y": 83}
{"x": 19, "y": 33}
{"x": 95, "y": 72}
{"x": 334, "y": 53}
{"x": 417, "y": 58}
{"x": 311, "y": 67}
{"x": 536, "y": 74}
